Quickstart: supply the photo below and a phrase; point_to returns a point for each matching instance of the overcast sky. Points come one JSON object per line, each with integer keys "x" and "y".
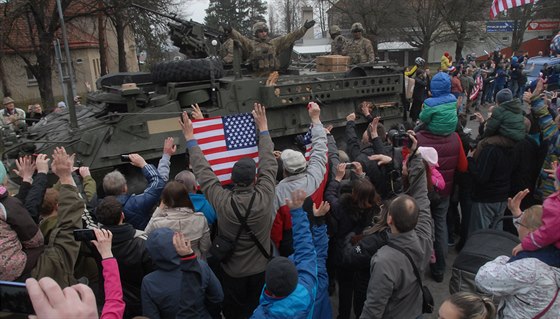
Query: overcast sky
{"x": 195, "y": 9}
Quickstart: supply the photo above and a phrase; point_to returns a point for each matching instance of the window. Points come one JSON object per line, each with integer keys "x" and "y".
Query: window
{"x": 505, "y": 38}
{"x": 96, "y": 68}
{"x": 31, "y": 80}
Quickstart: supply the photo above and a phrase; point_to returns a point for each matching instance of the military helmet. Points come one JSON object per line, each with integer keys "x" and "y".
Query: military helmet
{"x": 357, "y": 27}
{"x": 334, "y": 29}
{"x": 259, "y": 26}
{"x": 419, "y": 61}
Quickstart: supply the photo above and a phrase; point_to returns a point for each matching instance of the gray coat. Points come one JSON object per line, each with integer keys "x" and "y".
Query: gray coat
{"x": 247, "y": 259}
{"x": 393, "y": 291}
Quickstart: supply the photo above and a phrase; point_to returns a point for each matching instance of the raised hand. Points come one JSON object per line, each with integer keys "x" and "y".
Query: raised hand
{"x": 515, "y": 203}
{"x": 42, "y": 163}
{"x": 25, "y": 168}
{"x": 103, "y": 242}
{"x": 314, "y": 112}
{"x": 380, "y": 158}
{"x": 169, "y": 146}
{"x": 84, "y": 171}
{"x": 322, "y": 209}
{"x": 351, "y": 117}
{"x": 196, "y": 112}
{"x": 182, "y": 245}
{"x": 63, "y": 165}
{"x": 259, "y": 114}
{"x": 186, "y": 126}
{"x": 298, "y": 197}
{"x": 50, "y": 301}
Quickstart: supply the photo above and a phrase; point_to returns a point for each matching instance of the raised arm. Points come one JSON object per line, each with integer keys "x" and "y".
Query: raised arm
{"x": 268, "y": 166}
{"x": 209, "y": 182}
{"x": 305, "y": 256}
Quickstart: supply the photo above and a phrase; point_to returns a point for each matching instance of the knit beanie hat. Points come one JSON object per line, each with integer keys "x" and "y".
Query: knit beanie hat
{"x": 504, "y": 95}
{"x": 243, "y": 171}
{"x": 281, "y": 277}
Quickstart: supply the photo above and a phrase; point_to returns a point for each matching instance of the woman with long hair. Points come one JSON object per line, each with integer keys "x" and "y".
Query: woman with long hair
{"x": 176, "y": 211}
{"x": 352, "y": 212}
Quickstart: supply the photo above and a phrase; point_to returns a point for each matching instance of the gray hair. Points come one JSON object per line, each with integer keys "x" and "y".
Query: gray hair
{"x": 114, "y": 183}
{"x": 188, "y": 179}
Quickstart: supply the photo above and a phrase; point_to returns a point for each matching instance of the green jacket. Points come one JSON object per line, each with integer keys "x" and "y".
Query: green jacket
{"x": 507, "y": 120}
{"x": 441, "y": 119}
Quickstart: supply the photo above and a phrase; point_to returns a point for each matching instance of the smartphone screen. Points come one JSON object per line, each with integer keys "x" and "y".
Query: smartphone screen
{"x": 14, "y": 298}
{"x": 84, "y": 234}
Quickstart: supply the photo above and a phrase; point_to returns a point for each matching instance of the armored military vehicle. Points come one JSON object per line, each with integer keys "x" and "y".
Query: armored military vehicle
{"x": 135, "y": 112}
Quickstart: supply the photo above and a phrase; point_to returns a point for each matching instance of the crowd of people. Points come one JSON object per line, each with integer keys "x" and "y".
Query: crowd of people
{"x": 370, "y": 219}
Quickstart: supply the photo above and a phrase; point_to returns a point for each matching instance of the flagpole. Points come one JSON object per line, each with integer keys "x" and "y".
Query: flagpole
{"x": 71, "y": 109}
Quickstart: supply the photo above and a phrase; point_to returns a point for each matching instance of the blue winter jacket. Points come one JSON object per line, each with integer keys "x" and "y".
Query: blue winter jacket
{"x": 202, "y": 205}
{"x": 184, "y": 288}
{"x": 322, "y": 308}
{"x": 161, "y": 289}
{"x": 138, "y": 208}
{"x": 299, "y": 304}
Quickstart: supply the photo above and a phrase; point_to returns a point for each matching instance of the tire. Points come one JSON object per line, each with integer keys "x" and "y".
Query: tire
{"x": 187, "y": 70}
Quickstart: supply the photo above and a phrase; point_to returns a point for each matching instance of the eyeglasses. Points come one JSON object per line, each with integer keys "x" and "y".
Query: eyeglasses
{"x": 518, "y": 224}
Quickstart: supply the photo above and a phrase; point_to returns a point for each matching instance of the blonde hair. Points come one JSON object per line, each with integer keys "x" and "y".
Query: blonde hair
{"x": 473, "y": 306}
{"x": 532, "y": 218}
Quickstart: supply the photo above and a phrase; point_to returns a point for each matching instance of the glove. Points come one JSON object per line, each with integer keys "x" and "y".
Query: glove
{"x": 309, "y": 24}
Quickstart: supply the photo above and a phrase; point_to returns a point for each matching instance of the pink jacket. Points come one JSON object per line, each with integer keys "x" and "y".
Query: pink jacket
{"x": 114, "y": 304}
{"x": 548, "y": 232}
{"x": 437, "y": 179}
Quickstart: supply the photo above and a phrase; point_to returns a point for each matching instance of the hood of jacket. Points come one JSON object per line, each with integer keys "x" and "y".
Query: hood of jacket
{"x": 160, "y": 247}
{"x": 514, "y": 106}
{"x": 440, "y": 84}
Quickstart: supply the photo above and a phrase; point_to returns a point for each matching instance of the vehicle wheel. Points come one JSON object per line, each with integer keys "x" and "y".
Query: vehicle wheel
{"x": 187, "y": 70}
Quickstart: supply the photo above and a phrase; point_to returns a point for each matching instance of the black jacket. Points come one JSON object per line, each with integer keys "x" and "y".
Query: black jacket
{"x": 134, "y": 263}
{"x": 491, "y": 174}
{"x": 31, "y": 195}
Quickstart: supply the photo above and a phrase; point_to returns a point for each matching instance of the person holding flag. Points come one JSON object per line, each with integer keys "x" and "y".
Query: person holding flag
{"x": 221, "y": 151}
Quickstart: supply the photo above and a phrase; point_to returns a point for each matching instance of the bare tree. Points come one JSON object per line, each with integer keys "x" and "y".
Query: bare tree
{"x": 421, "y": 26}
{"x": 378, "y": 17}
{"x": 34, "y": 25}
{"x": 462, "y": 22}
{"x": 321, "y": 7}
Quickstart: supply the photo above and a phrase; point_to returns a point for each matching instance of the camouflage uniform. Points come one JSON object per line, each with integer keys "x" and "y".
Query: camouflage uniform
{"x": 263, "y": 53}
{"x": 360, "y": 51}
{"x": 338, "y": 45}
{"x": 226, "y": 51}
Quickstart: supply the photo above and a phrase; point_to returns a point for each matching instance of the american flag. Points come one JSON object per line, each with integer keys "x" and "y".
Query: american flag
{"x": 504, "y": 5}
{"x": 226, "y": 139}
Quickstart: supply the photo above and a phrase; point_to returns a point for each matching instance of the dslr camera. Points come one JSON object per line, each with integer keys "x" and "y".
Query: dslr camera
{"x": 399, "y": 138}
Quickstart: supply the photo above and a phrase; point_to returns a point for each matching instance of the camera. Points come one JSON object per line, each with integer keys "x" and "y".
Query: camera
{"x": 400, "y": 138}
{"x": 472, "y": 117}
{"x": 350, "y": 166}
{"x": 125, "y": 158}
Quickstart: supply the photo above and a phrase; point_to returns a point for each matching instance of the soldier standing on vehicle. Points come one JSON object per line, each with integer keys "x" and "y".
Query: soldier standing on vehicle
{"x": 263, "y": 51}
{"x": 360, "y": 48}
{"x": 339, "y": 42}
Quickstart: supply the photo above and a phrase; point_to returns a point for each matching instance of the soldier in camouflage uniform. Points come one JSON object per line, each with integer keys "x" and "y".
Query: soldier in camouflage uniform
{"x": 359, "y": 49}
{"x": 339, "y": 42}
{"x": 263, "y": 51}
{"x": 226, "y": 51}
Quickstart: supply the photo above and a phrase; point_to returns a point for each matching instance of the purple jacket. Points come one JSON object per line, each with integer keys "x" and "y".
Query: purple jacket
{"x": 450, "y": 153}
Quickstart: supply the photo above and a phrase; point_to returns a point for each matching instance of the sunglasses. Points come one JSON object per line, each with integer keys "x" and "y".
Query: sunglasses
{"x": 356, "y": 31}
{"x": 262, "y": 30}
